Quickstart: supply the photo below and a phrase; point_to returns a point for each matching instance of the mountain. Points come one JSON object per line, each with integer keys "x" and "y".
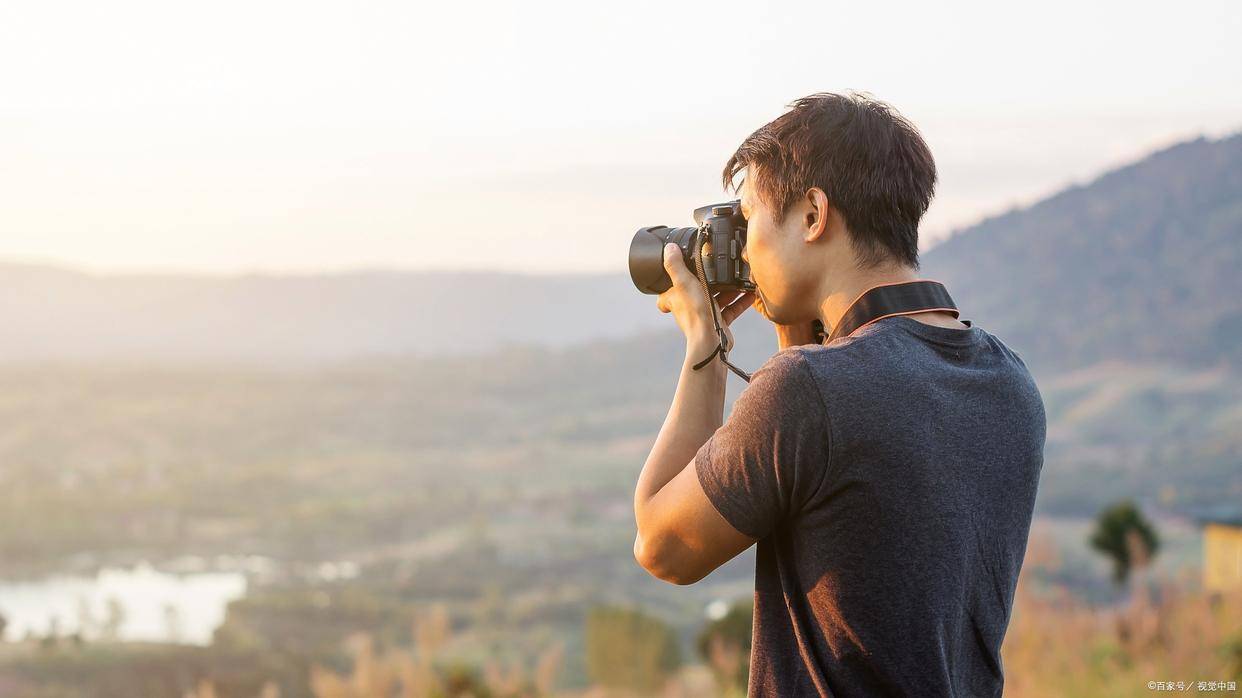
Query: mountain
{"x": 1118, "y": 293}
{"x": 1140, "y": 264}
{"x": 60, "y": 314}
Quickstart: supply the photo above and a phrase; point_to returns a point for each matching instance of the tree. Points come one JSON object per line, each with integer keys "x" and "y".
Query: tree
{"x": 1125, "y": 537}
{"x": 628, "y": 649}
{"x": 724, "y": 644}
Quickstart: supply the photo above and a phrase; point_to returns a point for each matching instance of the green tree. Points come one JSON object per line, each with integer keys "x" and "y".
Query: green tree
{"x": 463, "y": 681}
{"x": 724, "y": 644}
{"x": 628, "y": 649}
{"x": 1124, "y": 536}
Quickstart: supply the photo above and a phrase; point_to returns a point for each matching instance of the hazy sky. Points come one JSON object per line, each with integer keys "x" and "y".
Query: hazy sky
{"x": 532, "y": 136}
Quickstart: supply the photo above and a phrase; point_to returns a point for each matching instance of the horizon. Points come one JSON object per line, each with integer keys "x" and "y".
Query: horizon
{"x": 380, "y": 269}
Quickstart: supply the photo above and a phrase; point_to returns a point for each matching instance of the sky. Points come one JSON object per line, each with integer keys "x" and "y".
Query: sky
{"x": 292, "y": 137}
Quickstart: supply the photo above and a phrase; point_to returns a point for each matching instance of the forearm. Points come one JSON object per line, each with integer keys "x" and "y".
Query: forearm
{"x": 696, "y": 413}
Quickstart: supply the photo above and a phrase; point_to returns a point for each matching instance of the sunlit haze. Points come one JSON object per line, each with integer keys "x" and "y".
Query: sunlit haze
{"x": 282, "y": 136}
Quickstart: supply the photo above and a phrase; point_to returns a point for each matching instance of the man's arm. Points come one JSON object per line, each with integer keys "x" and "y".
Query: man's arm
{"x": 681, "y": 537}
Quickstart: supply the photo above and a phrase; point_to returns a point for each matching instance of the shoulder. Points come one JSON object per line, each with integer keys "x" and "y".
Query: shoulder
{"x": 846, "y": 361}
{"x": 786, "y": 383}
{"x": 785, "y": 364}
{"x": 1019, "y": 379}
{"x": 786, "y": 370}
{"x": 854, "y": 372}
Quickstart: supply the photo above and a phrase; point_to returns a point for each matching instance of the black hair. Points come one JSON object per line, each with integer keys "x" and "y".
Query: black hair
{"x": 871, "y": 162}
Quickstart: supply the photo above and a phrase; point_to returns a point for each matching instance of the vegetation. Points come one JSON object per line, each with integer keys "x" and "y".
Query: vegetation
{"x": 1126, "y": 537}
{"x": 1169, "y": 630}
{"x": 629, "y": 649}
{"x": 724, "y": 645}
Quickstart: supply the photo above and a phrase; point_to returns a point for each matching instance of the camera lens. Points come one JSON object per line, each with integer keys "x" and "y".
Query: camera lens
{"x": 647, "y": 256}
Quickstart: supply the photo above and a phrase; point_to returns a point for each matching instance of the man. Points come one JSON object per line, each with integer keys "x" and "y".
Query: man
{"x": 888, "y": 476}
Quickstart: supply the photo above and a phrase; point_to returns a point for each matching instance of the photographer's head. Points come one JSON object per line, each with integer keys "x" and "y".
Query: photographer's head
{"x": 833, "y": 191}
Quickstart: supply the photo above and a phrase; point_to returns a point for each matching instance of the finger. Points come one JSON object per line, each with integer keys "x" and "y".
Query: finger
{"x": 675, "y": 265}
{"x": 662, "y": 303}
{"x": 724, "y": 298}
{"x": 741, "y": 304}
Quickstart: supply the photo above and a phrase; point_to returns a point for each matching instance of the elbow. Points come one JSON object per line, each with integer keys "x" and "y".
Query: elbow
{"x": 662, "y": 565}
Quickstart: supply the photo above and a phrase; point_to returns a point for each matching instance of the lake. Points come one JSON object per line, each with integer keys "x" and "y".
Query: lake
{"x": 137, "y": 604}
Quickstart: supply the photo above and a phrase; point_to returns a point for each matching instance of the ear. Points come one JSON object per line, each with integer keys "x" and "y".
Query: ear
{"x": 816, "y": 215}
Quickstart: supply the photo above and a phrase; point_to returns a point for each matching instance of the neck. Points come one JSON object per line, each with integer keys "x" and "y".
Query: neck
{"x": 836, "y": 298}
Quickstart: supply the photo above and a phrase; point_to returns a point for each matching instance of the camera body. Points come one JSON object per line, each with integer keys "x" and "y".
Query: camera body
{"x": 722, "y": 229}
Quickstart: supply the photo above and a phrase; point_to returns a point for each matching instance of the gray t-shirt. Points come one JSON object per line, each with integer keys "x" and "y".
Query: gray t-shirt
{"x": 890, "y": 478}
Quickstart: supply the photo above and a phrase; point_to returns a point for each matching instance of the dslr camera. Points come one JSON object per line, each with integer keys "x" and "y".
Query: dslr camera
{"x": 717, "y": 242}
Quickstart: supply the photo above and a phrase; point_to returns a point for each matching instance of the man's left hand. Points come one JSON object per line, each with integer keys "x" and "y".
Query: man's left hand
{"x": 688, "y": 303}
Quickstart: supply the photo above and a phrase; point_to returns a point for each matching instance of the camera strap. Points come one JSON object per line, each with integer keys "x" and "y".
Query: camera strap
{"x": 887, "y": 300}
{"x": 722, "y": 339}
{"x": 876, "y": 303}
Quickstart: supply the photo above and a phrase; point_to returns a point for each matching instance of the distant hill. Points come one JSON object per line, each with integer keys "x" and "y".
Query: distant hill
{"x": 1120, "y": 294}
{"x": 62, "y": 314}
{"x": 1140, "y": 264}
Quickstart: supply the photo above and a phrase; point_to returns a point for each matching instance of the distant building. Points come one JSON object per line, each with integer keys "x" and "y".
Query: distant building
{"x": 1222, "y": 552}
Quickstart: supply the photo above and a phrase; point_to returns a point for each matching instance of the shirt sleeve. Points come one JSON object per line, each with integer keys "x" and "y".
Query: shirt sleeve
{"x": 769, "y": 457}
